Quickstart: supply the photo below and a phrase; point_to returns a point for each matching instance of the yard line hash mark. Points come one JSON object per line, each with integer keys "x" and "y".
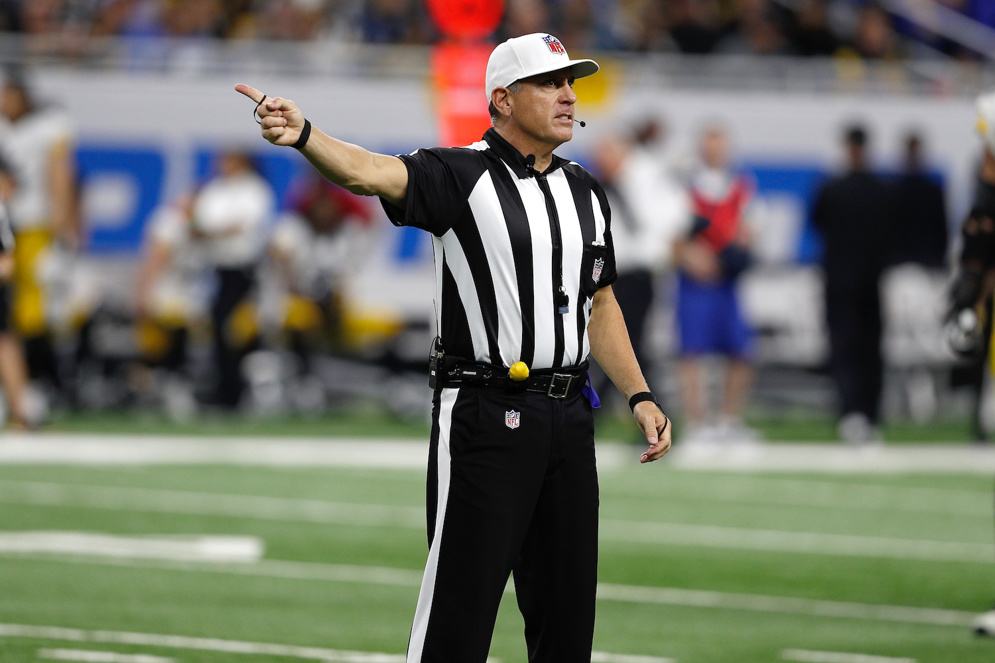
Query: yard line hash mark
{"x": 809, "y": 656}
{"x": 381, "y": 515}
{"x": 662, "y": 596}
{"x": 91, "y": 656}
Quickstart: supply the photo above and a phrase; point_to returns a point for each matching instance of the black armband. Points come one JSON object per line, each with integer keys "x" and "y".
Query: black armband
{"x": 305, "y": 134}
{"x": 636, "y": 399}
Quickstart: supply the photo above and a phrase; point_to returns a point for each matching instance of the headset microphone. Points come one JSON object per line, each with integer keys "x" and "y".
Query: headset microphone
{"x": 582, "y": 123}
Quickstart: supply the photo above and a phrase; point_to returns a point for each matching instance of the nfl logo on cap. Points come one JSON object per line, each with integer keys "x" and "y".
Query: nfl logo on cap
{"x": 554, "y": 45}
{"x": 512, "y": 419}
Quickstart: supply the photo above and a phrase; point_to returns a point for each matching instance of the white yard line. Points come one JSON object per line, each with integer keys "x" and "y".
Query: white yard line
{"x": 808, "y": 656}
{"x": 602, "y": 657}
{"x": 768, "y": 490}
{"x": 199, "y": 644}
{"x": 91, "y": 656}
{"x": 219, "y": 549}
{"x": 813, "y": 543}
{"x": 381, "y": 515}
{"x": 90, "y": 449}
{"x": 663, "y": 596}
{"x": 224, "y": 646}
{"x": 211, "y": 504}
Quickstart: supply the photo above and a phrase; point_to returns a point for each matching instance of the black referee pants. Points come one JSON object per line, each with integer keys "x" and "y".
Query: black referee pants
{"x": 512, "y": 488}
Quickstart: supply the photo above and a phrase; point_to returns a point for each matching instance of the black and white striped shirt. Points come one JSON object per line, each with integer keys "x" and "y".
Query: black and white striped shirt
{"x": 506, "y": 239}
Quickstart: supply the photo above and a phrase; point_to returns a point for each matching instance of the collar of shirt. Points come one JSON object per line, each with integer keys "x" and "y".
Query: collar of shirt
{"x": 516, "y": 161}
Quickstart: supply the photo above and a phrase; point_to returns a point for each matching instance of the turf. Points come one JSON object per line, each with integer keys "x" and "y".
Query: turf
{"x": 90, "y": 594}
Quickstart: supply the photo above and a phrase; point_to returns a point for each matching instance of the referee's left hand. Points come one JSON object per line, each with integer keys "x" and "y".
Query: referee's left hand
{"x": 656, "y": 427}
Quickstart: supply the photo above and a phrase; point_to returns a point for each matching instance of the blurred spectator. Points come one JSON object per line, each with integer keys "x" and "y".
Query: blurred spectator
{"x": 810, "y": 33}
{"x": 709, "y": 316}
{"x": 39, "y": 141}
{"x": 229, "y": 220}
{"x": 313, "y": 249}
{"x": 394, "y": 22}
{"x": 851, "y": 211}
{"x": 756, "y": 30}
{"x": 166, "y": 305}
{"x": 874, "y": 36}
{"x": 13, "y": 371}
{"x": 920, "y": 232}
{"x": 649, "y": 210}
{"x": 695, "y": 25}
{"x": 524, "y": 17}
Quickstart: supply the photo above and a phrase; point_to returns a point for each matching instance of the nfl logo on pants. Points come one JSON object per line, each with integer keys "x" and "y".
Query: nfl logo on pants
{"x": 512, "y": 419}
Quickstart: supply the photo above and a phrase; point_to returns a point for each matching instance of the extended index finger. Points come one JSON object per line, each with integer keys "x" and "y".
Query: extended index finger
{"x": 250, "y": 92}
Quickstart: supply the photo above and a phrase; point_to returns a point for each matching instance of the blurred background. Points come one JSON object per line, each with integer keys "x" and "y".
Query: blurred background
{"x": 133, "y": 296}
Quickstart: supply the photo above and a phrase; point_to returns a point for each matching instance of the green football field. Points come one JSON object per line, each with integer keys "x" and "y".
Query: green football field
{"x": 269, "y": 558}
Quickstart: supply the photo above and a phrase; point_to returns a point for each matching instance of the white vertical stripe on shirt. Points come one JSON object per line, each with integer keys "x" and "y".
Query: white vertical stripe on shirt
{"x": 573, "y": 253}
{"x": 494, "y": 236}
{"x": 542, "y": 269}
{"x": 458, "y": 265}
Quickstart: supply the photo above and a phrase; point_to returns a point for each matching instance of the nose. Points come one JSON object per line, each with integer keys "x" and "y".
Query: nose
{"x": 570, "y": 96}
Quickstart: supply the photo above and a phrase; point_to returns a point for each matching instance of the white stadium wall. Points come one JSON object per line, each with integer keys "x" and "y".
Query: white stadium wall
{"x": 144, "y": 138}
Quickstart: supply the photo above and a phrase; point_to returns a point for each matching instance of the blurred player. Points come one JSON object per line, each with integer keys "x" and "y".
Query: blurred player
{"x": 975, "y": 281}
{"x": 13, "y": 372}
{"x": 165, "y": 302}
{"x": 709, "y": 315}
{"x": 314, "y": 248}
{"x": 38, "y": 140}
{"x": 230, "y": 214}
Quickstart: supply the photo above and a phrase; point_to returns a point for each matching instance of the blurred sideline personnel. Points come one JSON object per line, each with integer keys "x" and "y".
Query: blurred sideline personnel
{"x": 919, "y": 233}
{"x": 166, "y": 305}
{"x": 13, "y": 372}
{"x": 315, "y": 248}
{"x": 972, "y": 289}
{"x": 38, "y": 141}
{"x": 710, "y": 319}
{"x": 649, "y": 210}
{"x": 524, "y": 258}
{"x": 230, "y": 216}
{"x": 851, "y": 211}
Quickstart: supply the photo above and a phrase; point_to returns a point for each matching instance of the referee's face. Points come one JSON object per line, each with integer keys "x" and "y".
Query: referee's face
{"x": 544, "y": 108}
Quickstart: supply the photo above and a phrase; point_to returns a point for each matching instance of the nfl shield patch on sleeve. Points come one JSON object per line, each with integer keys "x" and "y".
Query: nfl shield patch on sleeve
{"x": 512, "y": 419}
{"x": 599, "y": 265}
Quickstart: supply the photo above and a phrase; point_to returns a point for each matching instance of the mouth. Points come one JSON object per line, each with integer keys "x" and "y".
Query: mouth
{"x": 568, "y": 117}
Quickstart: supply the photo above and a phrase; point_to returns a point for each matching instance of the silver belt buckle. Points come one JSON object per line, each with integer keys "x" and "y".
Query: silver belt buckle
{"x": 559, "y": 385}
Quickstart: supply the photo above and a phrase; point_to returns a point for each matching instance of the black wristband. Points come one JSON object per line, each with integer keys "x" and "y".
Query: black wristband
{"x": 640, "y": 397}
{"x": 305, "y": 134}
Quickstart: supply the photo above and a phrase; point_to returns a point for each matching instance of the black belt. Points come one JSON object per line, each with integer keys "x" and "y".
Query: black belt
{"x": 553, "y": 382}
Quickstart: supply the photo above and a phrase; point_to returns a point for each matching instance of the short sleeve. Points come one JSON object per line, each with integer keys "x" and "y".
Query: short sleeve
{"x": 436, "y": 191}
{"x": 609, "y": 273}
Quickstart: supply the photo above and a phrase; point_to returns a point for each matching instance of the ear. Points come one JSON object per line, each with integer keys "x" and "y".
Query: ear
{"x": 501, "y": 97}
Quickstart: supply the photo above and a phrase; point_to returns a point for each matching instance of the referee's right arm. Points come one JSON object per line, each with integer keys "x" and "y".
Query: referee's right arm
{"x": 350, "y": 166}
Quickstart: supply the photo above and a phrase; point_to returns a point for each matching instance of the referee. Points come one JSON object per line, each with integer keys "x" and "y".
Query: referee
{"x": 524, "y": 265}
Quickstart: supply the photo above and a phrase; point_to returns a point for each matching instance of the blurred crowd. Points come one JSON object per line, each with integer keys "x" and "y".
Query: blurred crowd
{"x": 840, "y": 28}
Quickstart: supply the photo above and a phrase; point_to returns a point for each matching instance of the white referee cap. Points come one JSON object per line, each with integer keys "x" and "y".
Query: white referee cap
{"x": 537, "y": 53}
